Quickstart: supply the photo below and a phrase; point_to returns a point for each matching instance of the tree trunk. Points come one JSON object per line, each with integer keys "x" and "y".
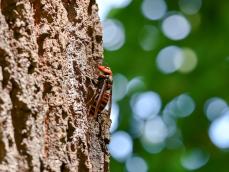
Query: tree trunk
{"x": 48, "y": 51}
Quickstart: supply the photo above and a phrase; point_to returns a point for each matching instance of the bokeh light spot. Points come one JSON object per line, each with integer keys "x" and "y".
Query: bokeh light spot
{"x": 155, "y": 131}
{"x": 214, "y": 107}
{"x": 218, "y": 131}
{"x": 135, "y": 84}
{"x": 176, "y": 27}
{"x": 121, "y": 145}
{"x": 194, "y": 159}
{"x": 170, "y": 122}
{"x": 137, "y": 127}
{"x": 120, "y": 3}
{"x": 169, "y": 59}
{"x": 106, "y": 6}
{"x": 146, "y": 104}
{"x": 185, "y": 104}
{"x": 190, "y": 6}
{"x": 114, "y": 117}
{"x": 148, "y": 37}
{"x": 189, "y": 60}
{"x": 152, "y": 148}
{"x": 154, "y": 9}
{"x": 119, "y": 87}
{"x": 181, "y": 106}
{"x": 136, "y": 164}
{"x": 113, "y": 35}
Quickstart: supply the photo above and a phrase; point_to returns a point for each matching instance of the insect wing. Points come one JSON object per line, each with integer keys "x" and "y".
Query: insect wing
{"x": 103, "y": 90}
{"x": 110, "y": 103}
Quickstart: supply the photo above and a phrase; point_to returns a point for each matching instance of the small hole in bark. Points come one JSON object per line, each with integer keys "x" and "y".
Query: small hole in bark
{"x": 57, "y": 119}
{"x": 31, "y": 68}
{"x": 73, "y": 149}
{"x": 17, "y": 34}
{"x": 40, "y": 41}
{"x": 93, "y": 46}
{"x": 78, "y": 20}
{"x": 64, "y": 114}
{"x": 56, "y": 36}
{"x": 70, "y": 131}
{"x": 10, "y": 142}
{"x": 96, "y": 58}
{"x": 64, "y": 168}
{"x": 63, "y": 140}
{"x": 28, "y": 31}
{"x": 20, "y": 50}
{"x": 46, "y": 14}
{"x": 89, "y": 31}
{"x": 98, "y": 38}
{"x": 59, "y": 67}
{"x": 47, "y": 89}
{"x": 37, "y": 88}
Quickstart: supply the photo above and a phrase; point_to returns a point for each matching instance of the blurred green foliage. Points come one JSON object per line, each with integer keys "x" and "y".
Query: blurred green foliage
{"x": 209, "y": 39}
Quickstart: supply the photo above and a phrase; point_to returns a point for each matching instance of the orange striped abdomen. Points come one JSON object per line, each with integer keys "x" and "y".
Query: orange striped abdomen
{"x": 104, "y": 100}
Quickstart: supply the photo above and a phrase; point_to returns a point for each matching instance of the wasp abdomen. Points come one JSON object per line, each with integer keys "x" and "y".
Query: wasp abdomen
{"x": 105, "y": 99}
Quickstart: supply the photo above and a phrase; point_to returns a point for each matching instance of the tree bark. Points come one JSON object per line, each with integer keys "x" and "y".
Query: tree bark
{"x": 49, "y": 52}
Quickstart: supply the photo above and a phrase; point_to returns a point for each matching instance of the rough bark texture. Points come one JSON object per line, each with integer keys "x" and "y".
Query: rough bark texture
{"x": 48, "y": 49}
